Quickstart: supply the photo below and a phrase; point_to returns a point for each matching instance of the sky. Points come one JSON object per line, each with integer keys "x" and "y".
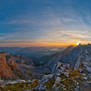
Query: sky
{"x": 44, "y": 22}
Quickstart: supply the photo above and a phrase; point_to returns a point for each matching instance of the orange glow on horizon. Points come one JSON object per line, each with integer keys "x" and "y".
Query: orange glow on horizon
{"x": 40, "y": 44}
{"x": 50, "y": 44}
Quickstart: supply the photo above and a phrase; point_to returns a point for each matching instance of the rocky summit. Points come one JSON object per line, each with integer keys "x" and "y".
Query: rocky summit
{"x": 71, "y": 73}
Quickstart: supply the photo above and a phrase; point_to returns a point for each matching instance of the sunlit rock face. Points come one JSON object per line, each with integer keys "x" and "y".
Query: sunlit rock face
{"x": 14, "y": 67}
{"x": 5, "y": 71}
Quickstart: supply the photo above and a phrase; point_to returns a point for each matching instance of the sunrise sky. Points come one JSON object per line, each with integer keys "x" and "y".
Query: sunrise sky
{"x": 45, "y": 22}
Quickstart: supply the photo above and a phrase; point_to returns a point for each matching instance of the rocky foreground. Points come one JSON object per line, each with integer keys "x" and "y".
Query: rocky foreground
{"x": 64, "y": 79}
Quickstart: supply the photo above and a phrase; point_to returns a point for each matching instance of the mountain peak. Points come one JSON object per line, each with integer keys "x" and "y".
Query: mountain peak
{"x": 78, "y": 55}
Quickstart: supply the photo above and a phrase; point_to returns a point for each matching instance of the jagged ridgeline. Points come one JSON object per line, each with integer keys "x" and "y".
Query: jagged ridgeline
{"x": 77, "y": 56}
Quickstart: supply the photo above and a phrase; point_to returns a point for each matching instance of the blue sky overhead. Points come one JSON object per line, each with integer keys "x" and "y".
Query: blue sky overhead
{"x": 28, "y": 21}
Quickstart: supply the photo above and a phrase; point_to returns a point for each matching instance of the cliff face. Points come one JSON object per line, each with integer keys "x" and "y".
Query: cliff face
{"x": 14, "y": 67}
{"x": 5, "y": 70}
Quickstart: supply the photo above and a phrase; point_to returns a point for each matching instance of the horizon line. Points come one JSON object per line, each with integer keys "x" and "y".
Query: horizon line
{"x": 41, "y": 44}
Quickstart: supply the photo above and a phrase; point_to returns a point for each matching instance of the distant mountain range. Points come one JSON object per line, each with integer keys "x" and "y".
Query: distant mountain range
{"x": 31, "y": 51}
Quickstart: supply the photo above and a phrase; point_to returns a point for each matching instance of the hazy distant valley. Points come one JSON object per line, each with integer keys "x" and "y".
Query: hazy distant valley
{"x": 38, "y": 54}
